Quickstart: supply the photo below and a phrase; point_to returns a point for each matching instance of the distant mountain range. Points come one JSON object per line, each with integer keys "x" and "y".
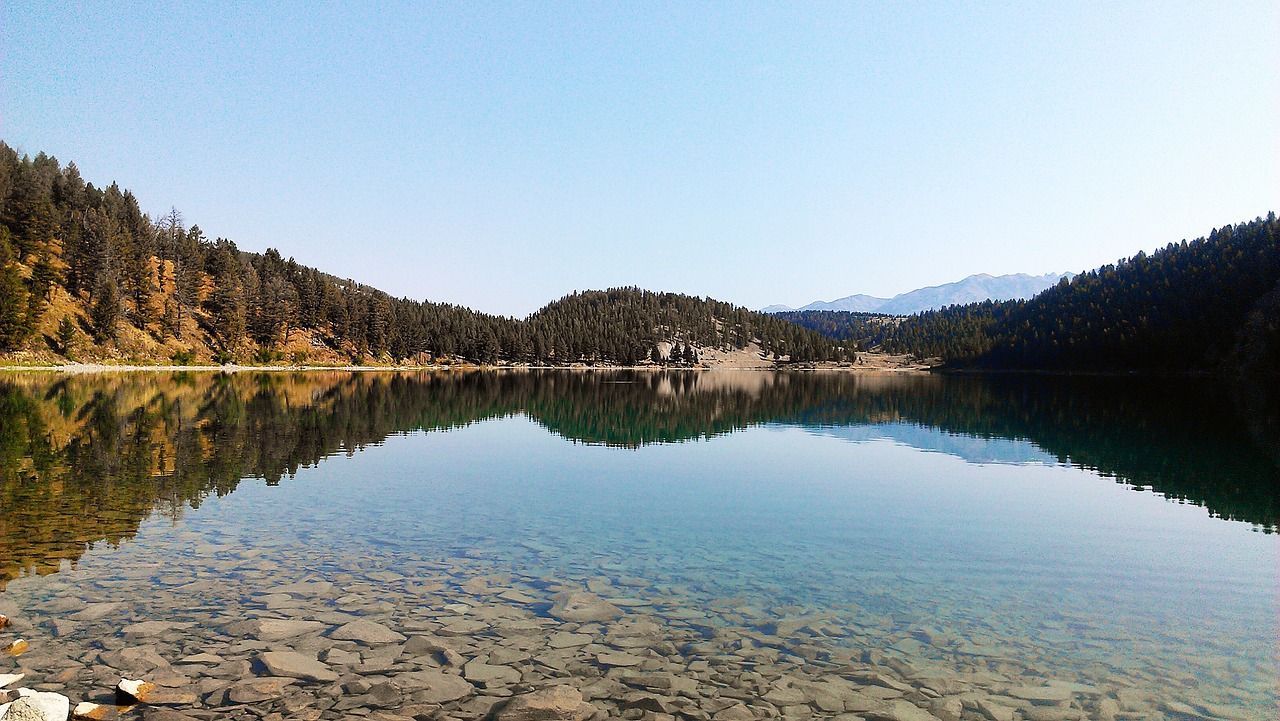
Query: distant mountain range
{"x": 975, "y": 288}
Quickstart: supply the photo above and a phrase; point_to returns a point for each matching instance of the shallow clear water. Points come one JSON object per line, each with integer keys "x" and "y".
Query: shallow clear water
{"x": 948, "y": 525}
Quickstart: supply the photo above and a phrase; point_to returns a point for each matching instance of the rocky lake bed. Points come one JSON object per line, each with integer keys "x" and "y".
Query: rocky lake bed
{"x": 455, "y": 640}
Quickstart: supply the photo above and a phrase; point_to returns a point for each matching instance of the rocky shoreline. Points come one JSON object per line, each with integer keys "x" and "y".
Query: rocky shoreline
{"x": 508, "y": 648}
{"x": 866, "y": 362}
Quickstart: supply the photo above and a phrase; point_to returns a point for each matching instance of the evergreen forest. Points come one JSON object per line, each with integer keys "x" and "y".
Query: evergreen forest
{"x": 86, "y": 275}
{"x": 1210, "y": 305}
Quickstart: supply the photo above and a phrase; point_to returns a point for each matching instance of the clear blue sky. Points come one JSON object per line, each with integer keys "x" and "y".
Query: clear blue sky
{"x": 502, "y": 155}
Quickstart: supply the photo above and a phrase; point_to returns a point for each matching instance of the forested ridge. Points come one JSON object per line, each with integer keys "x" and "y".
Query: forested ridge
{"x": 1207, "y": 305}
{"x": 86, "y": 275}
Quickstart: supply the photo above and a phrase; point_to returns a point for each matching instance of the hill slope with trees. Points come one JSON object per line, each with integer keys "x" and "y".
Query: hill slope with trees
{"x": 1207, "y": 305}
{"x": 85, "y": 274}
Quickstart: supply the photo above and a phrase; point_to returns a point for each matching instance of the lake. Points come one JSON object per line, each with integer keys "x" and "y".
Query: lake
{"x": 714, "y": 545}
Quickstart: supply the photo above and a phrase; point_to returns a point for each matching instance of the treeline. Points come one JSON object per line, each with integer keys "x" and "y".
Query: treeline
{"x": 1207, "y": 305}
{"x": 83, "y": 271}
{"x": 628, "y": 324}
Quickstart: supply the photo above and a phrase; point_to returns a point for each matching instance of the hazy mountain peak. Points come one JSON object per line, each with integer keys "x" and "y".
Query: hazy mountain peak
{"x": 975, "y": 288}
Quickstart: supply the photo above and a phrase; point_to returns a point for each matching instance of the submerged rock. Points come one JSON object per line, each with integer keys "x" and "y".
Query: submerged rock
{"x": 136, "y": 658}
{"x": 366, "y": 632}
{"x": 294, "y": 665}
{"x": 582, "y": 607}
{"x": 154, "y": 628}
{"x": 947, "y": 709}
{"x": 1043, "y": 694}
{"x": 258, "y": 689}
{"x": 479, "y": 672}
{"x": 164, "y": 714}
{"x": 201, "y": 658}
{"x": 424, "y": 644}
{"x": 4, "y": 621}
{"x": 434, "y": 687}
{"x": 557, "y": 703}
{"x": 785, "y": 696}
{"x": 618, "y": 658}
{"x": 565, "y": 639}
{"x": 273, "y": 629}
{"x": 98, "y": 611}
{"x": 736, "y": 712}
{"x": 17, "y": 648}
{"x": 900, "y": 710}
{"x": 994, "y": 710}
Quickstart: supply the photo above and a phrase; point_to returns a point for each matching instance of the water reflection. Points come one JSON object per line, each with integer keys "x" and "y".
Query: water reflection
{"x": 84, "y": 459}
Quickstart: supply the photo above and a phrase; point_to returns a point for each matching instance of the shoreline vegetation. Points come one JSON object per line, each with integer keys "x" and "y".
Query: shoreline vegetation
{"x": 908, "y": 366}
{"x": 87, "y": 277}
{"x": 1206, "y": 306}
{"x": 873, "y": 363}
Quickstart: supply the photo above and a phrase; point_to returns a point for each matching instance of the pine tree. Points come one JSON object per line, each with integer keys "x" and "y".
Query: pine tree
{"x": 272, "y": 311}
{"x": 105, "y": 309}
{"x": 66, "y": 335}
{"x": 13, "y": 298}
{"x": 226, "y": 303}
{"x": 42, "y": 278}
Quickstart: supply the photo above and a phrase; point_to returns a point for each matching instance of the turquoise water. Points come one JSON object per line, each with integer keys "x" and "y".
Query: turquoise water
{"x": 780, "y": 515}
{"x": 947, "y": 551}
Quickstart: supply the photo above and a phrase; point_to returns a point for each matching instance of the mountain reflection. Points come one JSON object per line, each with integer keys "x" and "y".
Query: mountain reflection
{"x": 85, "y": 458}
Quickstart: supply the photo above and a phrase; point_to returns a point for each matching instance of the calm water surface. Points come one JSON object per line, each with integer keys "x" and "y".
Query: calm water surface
{"x": 1114, "y": 534}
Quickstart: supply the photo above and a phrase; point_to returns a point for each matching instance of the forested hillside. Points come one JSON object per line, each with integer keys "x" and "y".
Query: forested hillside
{"x": 85, "y": 274}
{"x": 1211, "y": 304}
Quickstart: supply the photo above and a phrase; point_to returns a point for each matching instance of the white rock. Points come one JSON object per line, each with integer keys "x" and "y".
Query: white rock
{"x": 133, "y": 690}
{"x": 7, "y": 679}
{"x": 49, "y": 706}
{"x": 89, "y": 710}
